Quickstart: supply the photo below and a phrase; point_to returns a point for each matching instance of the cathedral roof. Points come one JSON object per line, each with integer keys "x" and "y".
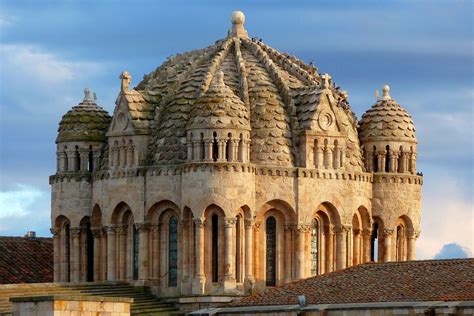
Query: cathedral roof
{"x": 219, "y": 107}
{"x": 448, "y": 280}
{"x": 263, "y": 81}
{"x": 386, "y": 120}
{"x": 84, "y": 122}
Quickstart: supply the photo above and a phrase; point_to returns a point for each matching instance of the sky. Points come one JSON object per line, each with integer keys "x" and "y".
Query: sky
{"x": 51, "y": 50}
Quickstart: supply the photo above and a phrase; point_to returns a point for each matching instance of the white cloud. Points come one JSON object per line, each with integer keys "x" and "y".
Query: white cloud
{"x": 447, "y": 216}
{"x": 24, "y": 208}
{"x": 29, "y": 63}
{"x": 7, "y": 21}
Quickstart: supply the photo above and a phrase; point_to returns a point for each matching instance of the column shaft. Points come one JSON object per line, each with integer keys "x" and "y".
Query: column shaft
{"x": 110, "y": 253}
{"x": 249, "y": 280}
{"x": 76, "y": 254}
{"x": 143, "y": 264}
{"x": 288, "y": 253}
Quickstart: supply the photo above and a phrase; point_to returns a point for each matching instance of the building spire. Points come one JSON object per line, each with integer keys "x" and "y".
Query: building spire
{"x": 238, "y": 30}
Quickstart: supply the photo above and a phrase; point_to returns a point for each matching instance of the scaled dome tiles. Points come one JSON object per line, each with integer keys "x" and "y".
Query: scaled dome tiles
{"x": 84, "y": 122}
{"x": 219, "y": 108}
{"x": 386, "y": 120}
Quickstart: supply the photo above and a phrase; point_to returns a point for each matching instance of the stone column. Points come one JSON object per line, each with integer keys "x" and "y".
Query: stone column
{"x": 356, "y": 255}
{"x": 71, "y": 161}
{"x": 249, "y": 281}
{"x": 221, "y": 150}
{"x": 155, "y": 252}
{"x": 288, "y": 228}
{"x": 395, "y": 156}
{"x": 97, "y": 234}
{"x": 300, "y": 257}
{"x": 121, "y": 254}
{"x": 319, "y": 157}
{"x": 406, "y": 159}
{"x": 196, "y": 152}
{"x": 366, "y": 245}
{"x": 75, "y": 254}
{"x": 329, "y": 156}
{"x": 56, "y": 254}
{"x": 110, "y": 253}
{"x": 62, "y": 161}
{"x": 336, "y": 157}
{"x": 103, "y": 256}
{"x": 123, "y": 156}
{"x": 247, "y": 146}
{"x": 95, "y": 160}
{"x": 130, "y": 158}
{"x": 190, "y": 147}
{"x": 330, "y": 248}
{"x": 208, "y": 150}
{"x": 84, "y": 159}
{"x": 143, "y": 259}
{"x": 388, "y": 233}
{"x": 231, "y": 150}
{"x": 229, "y": 260}
{"x": 381, "y": 161}
{"x": 341, "y": 244}
{"x": 200, "y": 278}
{"x": 411, "y": 240}
{"x": 185, "y": 254}
{"x": 413, "y": 163}
{"x": 369, "y": 161}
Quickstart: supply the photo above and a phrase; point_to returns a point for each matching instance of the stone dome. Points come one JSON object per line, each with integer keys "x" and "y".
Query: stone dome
{"x": 386, "y": 120}
{"x": 84, "y": 122}
{"x": 219, "y": 108}
{"x": 266, "y": 81}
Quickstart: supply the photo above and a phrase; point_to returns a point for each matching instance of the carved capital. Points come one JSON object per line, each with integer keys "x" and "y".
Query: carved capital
{"x": 110, "y": 230}
{"x": 199, "y": 222}
{"x": 54, "y": 231}
{"x": 229, "y": 222}
{"x": 155, "y": 227}
{"x": 184, "y": 223}
{"x": 248, "y": 222}
{"x": 366, "y": 232}
{"x": 357, "y": 231}
{"x": 75, "y": 231}
{"x": 96, "y": 232}
{"x": 142, "y": 227}
{"x": 417, "y": 234}
{"x": 257, "y": 225}
{"x": 288, "y": 227}
{"x": 388, "y": 232}
{"x": 301, "y": 228}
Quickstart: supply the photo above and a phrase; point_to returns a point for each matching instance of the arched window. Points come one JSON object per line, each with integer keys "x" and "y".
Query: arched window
{"x": 173, "y": 252}
{"x": 202, "y": 148}
{"x": 67, "y": 252}
{"x": 387, "y": 158}
{"x": 314, "y": 247}
{"x": 270, "y": 262}
{"x": 135, "y": 247}
{"x": 400, "y": 247}
{"x": 374, "y": 243}
{"x": 215, "y": 148}
{"x": 375, "y": 165}
{"x": 215, "y": 253}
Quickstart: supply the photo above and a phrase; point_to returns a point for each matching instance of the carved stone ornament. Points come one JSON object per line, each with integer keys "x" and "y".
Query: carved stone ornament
{"x": 126, "y": 80}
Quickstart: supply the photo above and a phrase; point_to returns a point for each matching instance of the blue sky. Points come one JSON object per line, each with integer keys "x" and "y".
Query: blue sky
{"x": 51, "y": 50}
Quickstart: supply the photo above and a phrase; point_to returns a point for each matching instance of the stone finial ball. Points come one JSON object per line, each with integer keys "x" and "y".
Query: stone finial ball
{"x": 386, "y": 88}
{"x": 238, "y": 17}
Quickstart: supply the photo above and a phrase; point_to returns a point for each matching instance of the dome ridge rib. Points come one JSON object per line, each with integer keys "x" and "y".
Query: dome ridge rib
{"x": 282, "y": 87}
{"x": 242, "y": 70}
{"x": 287, "y": 64}
{"x": 214, "y": 66}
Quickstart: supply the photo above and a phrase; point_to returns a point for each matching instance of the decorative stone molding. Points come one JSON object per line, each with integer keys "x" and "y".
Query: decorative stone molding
{"x": 257, "y": 225}
{"x": 110, "y": 230}
{"x": 155, "y": 228}
{"x": 301, "y": 228}
{"x": 288, "y": 227}
{"x": 97, "y": 232}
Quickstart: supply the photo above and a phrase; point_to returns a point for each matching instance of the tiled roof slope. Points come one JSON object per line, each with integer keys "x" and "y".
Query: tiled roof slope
{"x": 26, "y": 260}
{"x": 430, "y": 280}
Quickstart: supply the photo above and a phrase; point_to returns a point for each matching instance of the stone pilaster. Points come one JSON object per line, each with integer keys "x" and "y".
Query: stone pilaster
{"x": 75, "y": 254}
{"x": 56, "y": 254}
{"x": 388, "y": 234}
{"x": 249, "y": 281}
{"x": 144, "y": 263}
{"x": 288, "y": 231}
{"x": 229, "y": 262}
{"x": 200, "y": 278}
{"x": 111, "y": 234}
{"x": 97, "y": 235}
{"x": 300, "y": 231}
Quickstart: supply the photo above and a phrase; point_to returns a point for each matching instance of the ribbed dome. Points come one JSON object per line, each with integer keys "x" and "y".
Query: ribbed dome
{"x": 219, "y": 108}
{"x": 84, "y": 122}
{"x": 386, "y": 120}
{"x": 265, "y": 80}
